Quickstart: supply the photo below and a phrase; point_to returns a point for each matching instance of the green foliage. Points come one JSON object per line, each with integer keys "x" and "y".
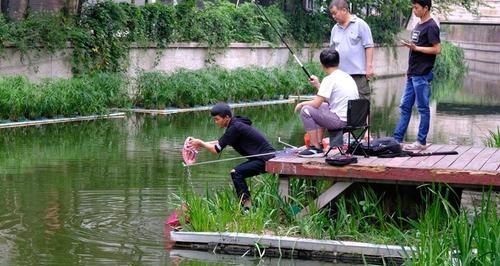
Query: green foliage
{"x": 4, "y": 32}
{"x": 38, "y": 33}
{"x": 185, "y": 88}
{"x": 22, "y": 99}
{"x": 438, "y": 236}
{"x": 309, "y": 27}
{"x": 450, "y": 63}
{"x": 493, "y": 138}
{"x": 102, "y": 34}
{"x": 102, "y": 43}
{"x": 385, "y": 18}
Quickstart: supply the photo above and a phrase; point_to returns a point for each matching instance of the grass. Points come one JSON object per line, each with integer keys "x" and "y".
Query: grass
{"x": 187, "y": 88}
{"x": 493, "y": 139}
{"x": 440, "y": 234}
{"x": 22, "y": 99}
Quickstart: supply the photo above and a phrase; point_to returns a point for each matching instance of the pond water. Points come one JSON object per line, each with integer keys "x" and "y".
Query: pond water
{"x": 99, "y": 192}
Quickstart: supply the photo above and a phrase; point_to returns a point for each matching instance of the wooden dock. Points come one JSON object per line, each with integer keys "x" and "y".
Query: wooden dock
{"x": 473, "y": 167}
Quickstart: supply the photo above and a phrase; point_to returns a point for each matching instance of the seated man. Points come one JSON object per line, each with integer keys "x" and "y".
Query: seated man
{"x": 246, "y": 140}
{"x": 328, "y": 109}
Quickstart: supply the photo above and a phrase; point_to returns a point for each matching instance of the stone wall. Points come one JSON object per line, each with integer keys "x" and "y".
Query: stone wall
{"x": 388, "y": 61}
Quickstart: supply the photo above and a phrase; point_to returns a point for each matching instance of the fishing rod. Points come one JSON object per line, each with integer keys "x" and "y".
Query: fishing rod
{"x": 229, "y": 159}
{"x": 282, "y": 39}
{"x": 241, "y": 157}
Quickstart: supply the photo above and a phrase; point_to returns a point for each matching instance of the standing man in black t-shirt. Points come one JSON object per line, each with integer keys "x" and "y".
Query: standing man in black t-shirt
{"x": 424, "y": 46}
{"x": 246, "y": 140}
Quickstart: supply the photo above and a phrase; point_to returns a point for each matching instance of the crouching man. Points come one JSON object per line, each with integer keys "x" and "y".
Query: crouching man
{"x": 246, "y": 140}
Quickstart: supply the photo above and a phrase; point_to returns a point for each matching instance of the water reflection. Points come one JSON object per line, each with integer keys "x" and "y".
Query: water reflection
{"x": 99, "y": 192}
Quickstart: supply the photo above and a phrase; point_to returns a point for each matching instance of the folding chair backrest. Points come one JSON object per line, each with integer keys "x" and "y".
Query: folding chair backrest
{"x": 357, "y": 112}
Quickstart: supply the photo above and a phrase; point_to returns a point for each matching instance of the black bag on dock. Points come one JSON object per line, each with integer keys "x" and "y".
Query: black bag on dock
{"x": 341, "y": 160}
{"x": 386, "y": 147}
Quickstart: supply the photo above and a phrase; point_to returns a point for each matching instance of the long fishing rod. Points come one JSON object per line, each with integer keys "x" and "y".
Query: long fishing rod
{"x": 282, "y": 39}
{"x": 240, "y": 157}
{"x": 229, "y": 159}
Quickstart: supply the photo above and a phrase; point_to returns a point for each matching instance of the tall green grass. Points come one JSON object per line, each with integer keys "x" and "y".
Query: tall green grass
{"x": 22, "y": 99}
{"x": 187, "y": 88}
{"x": 493, "y": 138}
{"x": 439, "y": 235}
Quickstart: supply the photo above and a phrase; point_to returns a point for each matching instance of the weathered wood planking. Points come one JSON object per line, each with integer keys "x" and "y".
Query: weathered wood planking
{"x": 295, "y": 243}
{"x": 472, "y": 167}
{"x": 432, "y": 160}
{"x": 480, "y": 159}
{"x": 466, "y": 158}
{"x": 61, "y": 120}
{"x": 449, "y": 159}
{"x": 493, "y": 162}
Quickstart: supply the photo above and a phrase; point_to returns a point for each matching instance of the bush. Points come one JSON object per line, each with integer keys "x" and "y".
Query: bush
{"x": 21, "y": 99}
{"x": 450, "y": 63}
{"x": 185, "y": 88}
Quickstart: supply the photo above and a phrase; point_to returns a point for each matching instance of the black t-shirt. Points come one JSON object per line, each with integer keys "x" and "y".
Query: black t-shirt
{"x": 425, "y": 34}
{"x": 245, "y": 139}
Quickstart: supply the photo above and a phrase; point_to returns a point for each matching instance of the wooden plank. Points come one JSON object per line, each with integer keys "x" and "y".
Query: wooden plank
{"x": 493, "y": 162}
{"x": 449, "y": 159}
{"x": 327, "y": 196}
{"x": 466, "y": 158}
{"x": 61, "y": 120}
{"x": 471, "y": 201}
{"x": 432, "y": 160}
{"x": 414, "y": 161}
{"x": 284, "y": 187}
{"x": 385, "y": 174}
{"x": 366, "y": 161}
{"x": 294, "y": 243}
{"x": 392, "y": 162}
{"x": 478, "y": 162}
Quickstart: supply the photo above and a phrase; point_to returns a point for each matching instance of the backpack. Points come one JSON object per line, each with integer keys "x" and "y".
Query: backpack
{"x": 341, "y": 160}
{"x": 386, "y": 147}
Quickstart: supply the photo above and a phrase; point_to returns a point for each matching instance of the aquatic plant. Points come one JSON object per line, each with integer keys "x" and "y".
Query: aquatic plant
{"x": 187, "y": 88}
{"x": 493, "y": 140}
{"x": 22, "y": 99}
{"x": 439, "y": 235}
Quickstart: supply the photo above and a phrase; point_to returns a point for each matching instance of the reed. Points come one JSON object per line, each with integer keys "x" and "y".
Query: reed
{"x": 493, "y": 138}
{"x": 22, "y": 99}
{"x": 187, "y": 88}
{"x": 440, "y": 235}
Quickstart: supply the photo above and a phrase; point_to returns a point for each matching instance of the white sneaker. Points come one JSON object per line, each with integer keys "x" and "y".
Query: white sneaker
{"x": 414, "y": 146}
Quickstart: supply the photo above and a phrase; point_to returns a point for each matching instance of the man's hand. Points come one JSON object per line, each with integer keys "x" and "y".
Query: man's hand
{"x": 409, "y": 44}
{"x": 298, "y": 107}
{"x": 196, "y": 143}
{"x": 369, "y": 72}
{"x": 314, "y": 81}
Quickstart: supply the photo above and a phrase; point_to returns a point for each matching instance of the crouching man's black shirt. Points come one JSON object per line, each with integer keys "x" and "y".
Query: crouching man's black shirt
{"x": 245, "y": 139}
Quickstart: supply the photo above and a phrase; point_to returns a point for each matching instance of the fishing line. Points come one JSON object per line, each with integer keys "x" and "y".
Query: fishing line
{"x": 282, "y": 39}
{"x": 229, "y": 159}
{"x": 294, "y": 148}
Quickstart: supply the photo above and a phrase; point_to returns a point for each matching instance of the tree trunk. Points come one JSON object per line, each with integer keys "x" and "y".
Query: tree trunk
{"x": 71, "y": 7}
{"x": 46, "y": 5}
{"x": 17, "y": 9}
